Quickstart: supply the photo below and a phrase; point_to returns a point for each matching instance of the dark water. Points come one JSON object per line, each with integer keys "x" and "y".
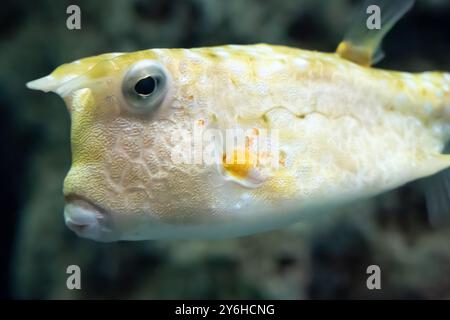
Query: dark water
{"x": 391, "y": 231}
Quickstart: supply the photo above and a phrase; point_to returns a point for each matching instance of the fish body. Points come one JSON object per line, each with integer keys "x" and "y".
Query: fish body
{"x": 344, "y": 131}
{"x": 318, "y": 130}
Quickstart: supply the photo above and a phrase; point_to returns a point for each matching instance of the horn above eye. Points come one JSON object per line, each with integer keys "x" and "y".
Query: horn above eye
{"x": 144, "y": 86}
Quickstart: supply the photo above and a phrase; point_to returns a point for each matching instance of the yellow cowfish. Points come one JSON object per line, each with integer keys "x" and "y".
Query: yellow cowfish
{"x": 318, "y": 129}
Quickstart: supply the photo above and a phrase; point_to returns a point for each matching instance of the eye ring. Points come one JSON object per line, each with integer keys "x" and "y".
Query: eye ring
{"x": 144, "y": 86}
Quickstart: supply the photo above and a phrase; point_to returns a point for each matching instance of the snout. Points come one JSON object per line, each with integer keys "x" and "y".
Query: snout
{"x": 89, "y": 221}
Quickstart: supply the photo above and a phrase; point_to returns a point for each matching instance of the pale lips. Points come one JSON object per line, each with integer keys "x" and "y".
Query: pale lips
{"x": 88, "y": 220}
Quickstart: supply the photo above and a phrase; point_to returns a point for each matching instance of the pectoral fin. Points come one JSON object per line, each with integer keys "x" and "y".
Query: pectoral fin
{"x": 437, "y": 192}
{"x": 362, "y": 43}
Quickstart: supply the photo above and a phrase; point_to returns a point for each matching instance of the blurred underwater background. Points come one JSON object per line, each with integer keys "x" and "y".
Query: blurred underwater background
{"x": 324, "y": 261}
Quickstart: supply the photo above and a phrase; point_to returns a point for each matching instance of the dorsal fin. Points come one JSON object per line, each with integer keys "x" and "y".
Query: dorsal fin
{"x": 361, "y": 44}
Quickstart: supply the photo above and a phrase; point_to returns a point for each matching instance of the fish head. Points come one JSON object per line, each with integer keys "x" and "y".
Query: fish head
{"x": 131, "y": 114}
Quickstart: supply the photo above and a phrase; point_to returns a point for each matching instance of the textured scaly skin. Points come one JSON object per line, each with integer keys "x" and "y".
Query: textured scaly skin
{"x": 345, "y": 130}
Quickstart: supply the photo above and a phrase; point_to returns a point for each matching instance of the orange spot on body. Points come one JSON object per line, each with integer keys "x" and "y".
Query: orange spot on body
{"x": 240, "y": 165}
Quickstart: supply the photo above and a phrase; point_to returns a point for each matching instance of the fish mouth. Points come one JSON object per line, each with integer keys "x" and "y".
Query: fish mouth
{"x": 89, "y": 220}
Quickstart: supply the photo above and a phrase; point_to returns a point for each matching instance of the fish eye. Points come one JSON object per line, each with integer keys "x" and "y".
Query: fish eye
{"x": 144, "y": 86}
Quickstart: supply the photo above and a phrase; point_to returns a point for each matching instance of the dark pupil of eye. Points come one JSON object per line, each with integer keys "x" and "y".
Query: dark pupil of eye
{"x": 145, "y": 86}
